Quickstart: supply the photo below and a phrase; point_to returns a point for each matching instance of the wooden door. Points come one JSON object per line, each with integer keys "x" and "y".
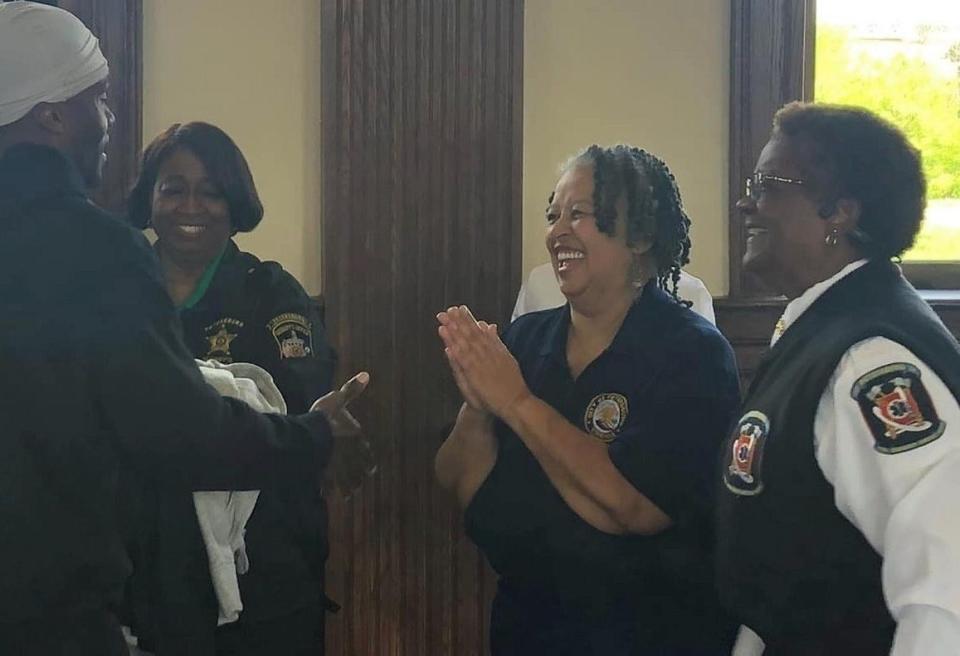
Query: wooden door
{"x": 422, "y": 154}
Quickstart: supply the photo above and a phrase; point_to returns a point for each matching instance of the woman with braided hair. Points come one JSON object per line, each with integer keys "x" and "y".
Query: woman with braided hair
{"x": 583, "y": 452}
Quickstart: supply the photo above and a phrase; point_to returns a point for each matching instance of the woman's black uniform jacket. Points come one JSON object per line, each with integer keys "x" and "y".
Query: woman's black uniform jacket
{"x": 253, "y": 312}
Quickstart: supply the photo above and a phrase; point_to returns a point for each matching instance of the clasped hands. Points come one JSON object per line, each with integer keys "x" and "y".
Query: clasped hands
{"x": 353, "y": 454}
{"x": 486, "y": 373}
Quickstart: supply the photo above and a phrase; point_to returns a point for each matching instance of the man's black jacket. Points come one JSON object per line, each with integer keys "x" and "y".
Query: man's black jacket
{"x": 94, "y": 376}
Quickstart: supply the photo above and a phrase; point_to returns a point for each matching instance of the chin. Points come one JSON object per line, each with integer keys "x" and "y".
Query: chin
{"x": 755, "y": 263}
{"x": 764, "y": 271}
{"x": 570, "y": 292}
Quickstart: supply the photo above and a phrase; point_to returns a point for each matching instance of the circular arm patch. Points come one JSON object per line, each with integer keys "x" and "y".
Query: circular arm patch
{"x": 897, "y": 408}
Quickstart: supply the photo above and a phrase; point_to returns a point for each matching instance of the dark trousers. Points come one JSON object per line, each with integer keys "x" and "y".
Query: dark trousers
{"x": 530, "y": 627}
{"x": 297, "y": 634}
{"x": 90, "y": 633}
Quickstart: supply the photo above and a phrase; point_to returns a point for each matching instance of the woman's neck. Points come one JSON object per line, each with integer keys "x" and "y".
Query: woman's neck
{"x": 181, "y": 273}
{"x": 593, "y": 325}
{"x": 793, "y": 287}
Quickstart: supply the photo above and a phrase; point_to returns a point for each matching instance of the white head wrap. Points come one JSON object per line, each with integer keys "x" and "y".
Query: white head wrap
{"x": 46, "y": 55}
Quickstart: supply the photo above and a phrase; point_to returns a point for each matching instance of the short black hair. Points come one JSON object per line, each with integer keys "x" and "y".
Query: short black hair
{"x": 654, "y": 209}
{"x": 857, "y": 154}
{"x": 225, "y": 164}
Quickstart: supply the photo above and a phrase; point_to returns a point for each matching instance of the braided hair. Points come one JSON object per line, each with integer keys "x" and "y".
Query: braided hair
{"x": 654, "y": 210}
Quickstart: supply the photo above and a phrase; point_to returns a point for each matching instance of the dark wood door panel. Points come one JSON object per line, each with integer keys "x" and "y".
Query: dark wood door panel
{"x": 422, "y": 155}
{"x": 119, "y": 26}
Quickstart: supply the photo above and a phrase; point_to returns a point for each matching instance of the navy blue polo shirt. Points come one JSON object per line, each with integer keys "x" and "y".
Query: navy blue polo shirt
{"x": 661, "y": 396}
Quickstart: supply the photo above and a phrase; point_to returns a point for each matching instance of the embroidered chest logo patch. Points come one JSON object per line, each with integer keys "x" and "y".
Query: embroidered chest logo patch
{"x": 293, "y": 334}
{"x": 605, "y": 416}
{"x": 742, "y": 475}
{"x": 220, "y": 334}
{"x": 897, "y": 408}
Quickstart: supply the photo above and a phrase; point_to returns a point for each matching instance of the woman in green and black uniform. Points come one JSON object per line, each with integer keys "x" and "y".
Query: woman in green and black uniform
{"x": 196, "y": 191}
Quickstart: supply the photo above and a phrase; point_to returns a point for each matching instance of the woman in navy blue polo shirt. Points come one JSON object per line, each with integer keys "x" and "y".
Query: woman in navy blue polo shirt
{"x": 583, "y": 452}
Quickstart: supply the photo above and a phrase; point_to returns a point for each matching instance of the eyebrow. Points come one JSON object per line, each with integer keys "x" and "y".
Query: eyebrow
{"x": 575, "y": 202}
{"x": 179, "y": 177}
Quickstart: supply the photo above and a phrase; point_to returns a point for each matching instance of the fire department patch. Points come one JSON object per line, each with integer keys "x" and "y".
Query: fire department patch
{"x": 742, "y": 475}
{"x": 897, "y": 408}
{"x": 293, "y": 334}
{"x": 220, "y": 334}
{"x": 605, "y": 416}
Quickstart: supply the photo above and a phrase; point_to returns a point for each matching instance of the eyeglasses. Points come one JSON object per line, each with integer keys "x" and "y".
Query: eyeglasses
{"x": 755, "y": 185}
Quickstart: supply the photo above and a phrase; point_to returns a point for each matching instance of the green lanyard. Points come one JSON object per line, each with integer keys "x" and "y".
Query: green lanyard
{"x": 203, "y": 284}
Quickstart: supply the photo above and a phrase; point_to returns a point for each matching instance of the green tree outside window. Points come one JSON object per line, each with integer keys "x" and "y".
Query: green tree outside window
{"x": 919, "y": 97}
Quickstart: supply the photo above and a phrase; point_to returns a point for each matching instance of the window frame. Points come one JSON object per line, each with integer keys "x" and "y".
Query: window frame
{"x": 771, "y": 64}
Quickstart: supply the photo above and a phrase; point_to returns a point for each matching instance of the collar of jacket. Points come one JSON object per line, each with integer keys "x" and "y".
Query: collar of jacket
{"x": 31, "y": 172}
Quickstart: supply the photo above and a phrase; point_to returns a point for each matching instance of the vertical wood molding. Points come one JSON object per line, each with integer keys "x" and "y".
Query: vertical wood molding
{"x": 421, "y": 184}
{"x": 771, "y": 64}
{"x": 119, "y": 26}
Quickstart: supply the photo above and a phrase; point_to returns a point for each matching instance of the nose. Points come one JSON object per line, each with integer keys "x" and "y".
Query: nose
{"x": 192, "y": 203}
{"x": 747, "y": 205}
{"x": 559, "y": 227}
{"x": 111, "y": 117}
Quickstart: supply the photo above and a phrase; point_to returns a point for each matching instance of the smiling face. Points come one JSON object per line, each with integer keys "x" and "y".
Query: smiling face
{"x": 786, "y": 236}
{"x": 587, "y": 262}
{"x": 189, "y": 212}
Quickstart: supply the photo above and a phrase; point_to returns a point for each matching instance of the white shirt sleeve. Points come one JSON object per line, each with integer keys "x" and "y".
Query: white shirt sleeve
{"x": 692, "y": 288}
{"x": 540, "y": 291}
{"x": 903, "y": 502}
{"x": 520, "y": 307}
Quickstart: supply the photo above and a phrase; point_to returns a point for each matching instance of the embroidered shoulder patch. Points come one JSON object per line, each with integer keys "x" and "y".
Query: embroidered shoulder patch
{"x": 293, "y": 335}
{"x": 897, "y": 408}
{"x": 605, "y": 416}
{"x": 742, "y": 475}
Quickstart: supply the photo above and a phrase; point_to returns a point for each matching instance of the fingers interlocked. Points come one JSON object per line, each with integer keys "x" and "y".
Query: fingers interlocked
{"x": 485, "y": 372}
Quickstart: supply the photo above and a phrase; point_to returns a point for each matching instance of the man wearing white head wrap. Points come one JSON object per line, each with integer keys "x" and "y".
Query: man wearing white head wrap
{"x": 46, "y": 55}
{"x": 95, "y": 377}
{"x": 53, "y": 85}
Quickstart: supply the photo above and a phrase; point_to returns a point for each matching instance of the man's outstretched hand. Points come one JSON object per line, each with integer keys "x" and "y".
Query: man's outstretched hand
{"x": 353, "y": 455}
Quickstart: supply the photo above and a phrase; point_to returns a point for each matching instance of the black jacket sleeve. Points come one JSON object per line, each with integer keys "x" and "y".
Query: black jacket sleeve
{"x": 154, "y": 401}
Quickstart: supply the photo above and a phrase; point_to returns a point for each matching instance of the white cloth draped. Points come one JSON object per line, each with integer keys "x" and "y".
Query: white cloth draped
{"x": 223, "y": 515}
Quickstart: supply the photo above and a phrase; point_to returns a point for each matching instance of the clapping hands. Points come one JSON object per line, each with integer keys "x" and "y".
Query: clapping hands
{"x": 486, "y": 373}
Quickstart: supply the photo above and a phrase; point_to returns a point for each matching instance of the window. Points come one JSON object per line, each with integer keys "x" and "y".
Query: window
{"x": 899, "y": 59}
{"x": 902, "y": 60}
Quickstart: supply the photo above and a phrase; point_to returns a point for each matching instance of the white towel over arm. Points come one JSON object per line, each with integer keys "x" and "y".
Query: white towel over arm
{"x": 223, "y": 515}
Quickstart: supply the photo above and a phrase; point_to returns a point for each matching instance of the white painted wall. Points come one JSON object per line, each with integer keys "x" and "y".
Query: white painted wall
{"x": 250, "y": 68}
{"x": 654, "y": 73}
